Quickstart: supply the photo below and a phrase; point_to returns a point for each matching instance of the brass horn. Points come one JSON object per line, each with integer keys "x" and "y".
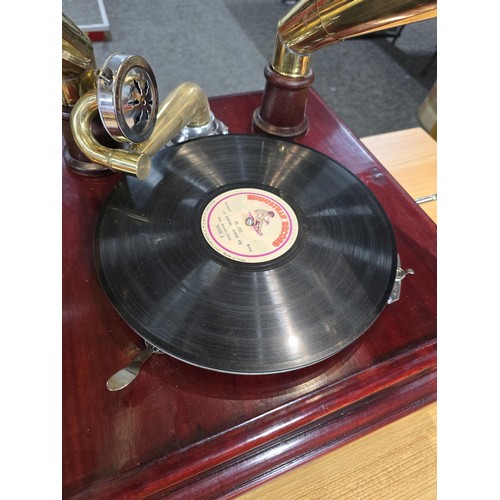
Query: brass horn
{"x": 309, "y": 26}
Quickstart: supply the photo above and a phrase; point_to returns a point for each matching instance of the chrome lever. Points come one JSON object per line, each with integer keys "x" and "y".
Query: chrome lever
{"x": 125, "y": 376}
{"x": 400, "y": 276}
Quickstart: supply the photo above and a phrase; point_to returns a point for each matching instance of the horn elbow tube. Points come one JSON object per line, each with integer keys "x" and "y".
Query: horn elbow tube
{"x": 117, "y": 160}
{"x": 186, "y": 105}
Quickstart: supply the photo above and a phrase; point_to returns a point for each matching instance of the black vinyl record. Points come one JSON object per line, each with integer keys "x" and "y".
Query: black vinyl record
{"x": 246, "y": 254}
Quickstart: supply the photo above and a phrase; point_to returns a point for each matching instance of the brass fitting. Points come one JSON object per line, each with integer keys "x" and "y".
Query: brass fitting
{"x": 312, "y": 24}
{"x": 185, "y": 105}
{"x": 78, "y": 63}
{"x": 117, "y": 160}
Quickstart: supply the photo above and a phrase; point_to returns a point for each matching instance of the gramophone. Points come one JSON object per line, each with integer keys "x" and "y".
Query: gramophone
{"x": 228, "y": 403}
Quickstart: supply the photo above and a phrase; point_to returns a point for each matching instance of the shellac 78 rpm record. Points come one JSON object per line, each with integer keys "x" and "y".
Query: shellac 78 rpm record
{"x": 246, "y": 254}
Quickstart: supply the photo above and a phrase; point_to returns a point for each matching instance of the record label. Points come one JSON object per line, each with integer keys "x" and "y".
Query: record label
{"x": 249, "y": 225}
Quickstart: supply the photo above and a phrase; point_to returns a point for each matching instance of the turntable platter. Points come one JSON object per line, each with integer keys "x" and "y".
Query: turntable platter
{"x": 246, "y": 254}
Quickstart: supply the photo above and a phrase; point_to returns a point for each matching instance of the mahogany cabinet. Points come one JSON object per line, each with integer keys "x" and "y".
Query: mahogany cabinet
{"x": 186, "y": 432}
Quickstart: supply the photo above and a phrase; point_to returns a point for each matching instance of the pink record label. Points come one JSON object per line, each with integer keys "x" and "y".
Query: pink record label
{"x": 249, "y": 225}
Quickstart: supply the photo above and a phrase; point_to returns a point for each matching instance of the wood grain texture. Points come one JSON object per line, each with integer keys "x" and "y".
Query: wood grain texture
{"x": 411, "y": 157}
{"x": 182, "y": 431}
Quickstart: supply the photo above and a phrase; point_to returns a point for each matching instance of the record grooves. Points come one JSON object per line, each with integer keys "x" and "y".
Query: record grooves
{"x": 246, "y": 254}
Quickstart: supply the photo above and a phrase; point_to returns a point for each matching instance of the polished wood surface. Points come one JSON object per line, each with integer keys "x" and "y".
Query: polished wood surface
{"x": 400, "y": 459}
{"x": 182, "y": 431}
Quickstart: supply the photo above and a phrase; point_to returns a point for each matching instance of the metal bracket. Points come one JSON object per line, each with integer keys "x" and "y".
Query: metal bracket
{"x": 400, "y": 276}
{"x": 213, "y": 127}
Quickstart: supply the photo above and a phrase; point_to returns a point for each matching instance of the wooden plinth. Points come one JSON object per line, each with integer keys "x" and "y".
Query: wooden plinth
{"x": 186, "y": 432}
